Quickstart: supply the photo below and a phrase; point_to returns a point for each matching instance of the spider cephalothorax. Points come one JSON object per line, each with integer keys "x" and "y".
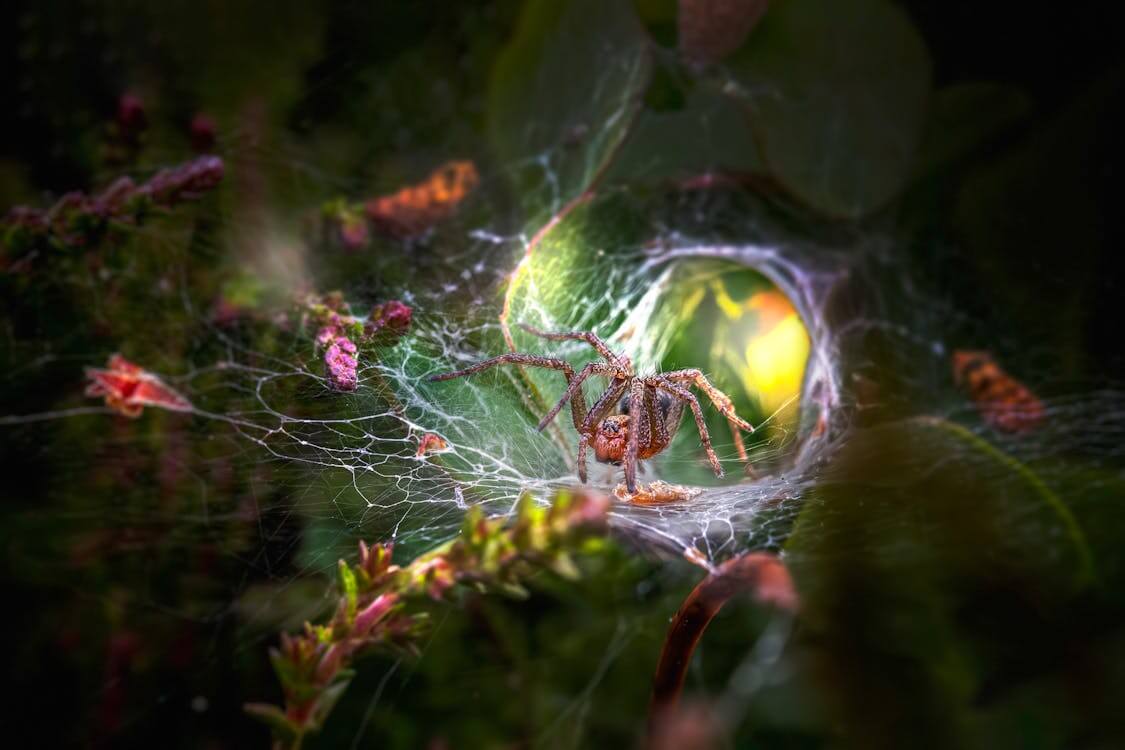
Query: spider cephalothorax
{"x": 651, "y": 406}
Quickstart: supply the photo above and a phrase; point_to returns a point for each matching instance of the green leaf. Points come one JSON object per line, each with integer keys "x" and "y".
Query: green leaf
{"x": 512, "y": 589}
{"x": 930, "y": 491}
{"x": 920, "y": 550}
{"x": 284, "y": 730}
{"x": 710, "y": 134}
{"x": 564, "y": 94}
{"x": 348, "y": 586}
{"x": 329, "y": 697}
{"x": 563, "y": 565}
{"x": 286, "y": 671}
{"x": 837, "y": 94}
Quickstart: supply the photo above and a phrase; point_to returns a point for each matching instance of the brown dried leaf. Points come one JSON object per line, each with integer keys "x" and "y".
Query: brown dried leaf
{"x": 709, "y": 30}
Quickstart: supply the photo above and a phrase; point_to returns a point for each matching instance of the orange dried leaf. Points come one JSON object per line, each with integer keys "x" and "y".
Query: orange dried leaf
{"x": 416, "y": 208}
{"x": 1003, "y": 402}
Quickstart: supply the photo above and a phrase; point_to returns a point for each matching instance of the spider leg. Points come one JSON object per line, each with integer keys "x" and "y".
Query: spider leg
{"x": 590, "y": 338}
{"x": 574, "y": 390}
{"x": 637, "y": 408}
{"x": 674, "y": 418}
{"x": 689, "y": 398}
{"x": 657, "y": 429}
{"x": 721, "y": 400}
{"x": 606, "y": 402}
{"x": 738, "y": 444}
{"x": 578, "y": 405}
{"x": 583, "y": 443}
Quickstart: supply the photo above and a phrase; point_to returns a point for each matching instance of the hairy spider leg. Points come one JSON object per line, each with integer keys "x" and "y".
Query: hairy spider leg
{"x": 721, "y": 400}
{"x": 574, "y": 390}
{"x": 578, "y": 406}
{"x": 604, "y": 405}
{"x": 590, "y": 338}
{"x": 597, "y": 413}
{"x": 657, "y": 430}
{"x": 689, "y": 398}
{"x": 583, "y": 444}
{"x": 738, "y": 444}
{"x": 636, "y": 411}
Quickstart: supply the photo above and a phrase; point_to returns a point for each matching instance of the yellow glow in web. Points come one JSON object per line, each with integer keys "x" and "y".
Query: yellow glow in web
{"x": 776, "y": 357}
{"x": 765, "y": 343}
{"x": 775, "y": 362}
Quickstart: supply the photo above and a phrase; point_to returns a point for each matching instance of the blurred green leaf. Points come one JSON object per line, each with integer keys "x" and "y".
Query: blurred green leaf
{"x": 348, "y": 585}
{"x": 566, "y": 91}
{"x": 837, "y": 94}
{"x": 931, "y": 489}
{"x": 710, "y": 134}
{"x": 964, "y": 117}
{"x": 919, "y": 537}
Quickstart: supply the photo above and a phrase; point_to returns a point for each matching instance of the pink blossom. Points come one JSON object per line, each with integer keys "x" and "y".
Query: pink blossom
{"x": 392, "y": 316}
{"x": 340, "y": 364}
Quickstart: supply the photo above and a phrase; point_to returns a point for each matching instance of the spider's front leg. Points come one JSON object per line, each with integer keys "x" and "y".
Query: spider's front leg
{"x": 632, "y": 444}
{"x": 578, "y": 405}
{"x": 588, "y": 431}
{"x": 574, "y": 391}
{"x": 583, "y": 444}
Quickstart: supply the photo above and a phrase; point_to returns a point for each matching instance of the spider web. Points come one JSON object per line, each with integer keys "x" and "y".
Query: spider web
{"x": 361, "y": 449}
{"x": 366, "y": 443}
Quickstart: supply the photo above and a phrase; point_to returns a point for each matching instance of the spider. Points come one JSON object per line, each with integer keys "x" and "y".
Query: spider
{"x": 650, "y": 407}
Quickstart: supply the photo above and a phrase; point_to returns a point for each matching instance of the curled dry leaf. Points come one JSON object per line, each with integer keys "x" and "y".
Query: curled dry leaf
{"x": 1004, "y": 402}
{"x": 416, "y": 208}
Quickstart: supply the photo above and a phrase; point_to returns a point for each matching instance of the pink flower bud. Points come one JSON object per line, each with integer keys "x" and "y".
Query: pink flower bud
{"x": 340, "y": 364}
{"x": 367, "y": 617}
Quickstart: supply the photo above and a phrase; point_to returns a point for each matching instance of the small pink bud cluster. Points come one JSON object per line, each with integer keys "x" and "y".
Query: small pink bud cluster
{"x": 340, "y": 363}
{"x": 78, "y": 219}
{"x": 390, "y": 320}
{"x": 339, "y": 330}
{"x": 374, "y": 605}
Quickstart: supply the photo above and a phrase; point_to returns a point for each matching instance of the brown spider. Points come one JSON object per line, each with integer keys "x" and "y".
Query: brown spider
{"x": 635, "y": 433}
